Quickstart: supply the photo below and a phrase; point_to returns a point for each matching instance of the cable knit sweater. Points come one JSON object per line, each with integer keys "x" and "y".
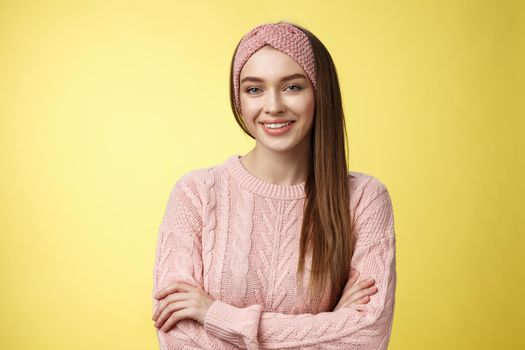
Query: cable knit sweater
{"x": 237, "y": 237}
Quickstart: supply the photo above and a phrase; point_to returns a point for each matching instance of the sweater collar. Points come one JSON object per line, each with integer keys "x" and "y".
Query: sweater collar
{"x": 267, "y": 189}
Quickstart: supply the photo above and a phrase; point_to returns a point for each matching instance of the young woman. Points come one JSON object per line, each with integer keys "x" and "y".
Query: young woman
{"x": 282, "y": 247}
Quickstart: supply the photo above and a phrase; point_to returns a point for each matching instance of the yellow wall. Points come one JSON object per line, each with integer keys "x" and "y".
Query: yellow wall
{"x": 105, "y": 104}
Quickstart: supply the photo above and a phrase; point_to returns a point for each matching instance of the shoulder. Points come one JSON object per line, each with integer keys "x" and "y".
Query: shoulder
{"x": 370, "y": 202}
{"x": 198, "y": 184}
{"x": 365, "y": 187}
{"x": 195, "y": 177}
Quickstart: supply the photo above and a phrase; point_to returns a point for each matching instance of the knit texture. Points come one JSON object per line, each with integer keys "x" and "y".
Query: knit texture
{"x": 283, "y": 37}
{"x": 237, "y": 237}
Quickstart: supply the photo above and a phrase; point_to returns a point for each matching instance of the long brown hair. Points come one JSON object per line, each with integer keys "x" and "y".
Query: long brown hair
{"x": 326, "y": 231}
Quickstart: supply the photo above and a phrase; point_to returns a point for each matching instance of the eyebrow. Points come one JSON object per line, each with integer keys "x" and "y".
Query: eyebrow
{"x": 286, "y": 78}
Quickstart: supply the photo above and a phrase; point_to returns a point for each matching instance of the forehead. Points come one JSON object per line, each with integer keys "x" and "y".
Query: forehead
{"x": 268, "y": 61}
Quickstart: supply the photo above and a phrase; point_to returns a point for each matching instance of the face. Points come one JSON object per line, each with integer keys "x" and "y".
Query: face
{"x": 274, "y": 88}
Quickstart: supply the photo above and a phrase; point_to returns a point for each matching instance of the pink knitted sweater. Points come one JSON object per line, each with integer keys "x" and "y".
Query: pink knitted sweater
{"x": 237, "y": 237}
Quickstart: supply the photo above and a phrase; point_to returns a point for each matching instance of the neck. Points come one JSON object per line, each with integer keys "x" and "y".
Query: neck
{"x": 281, "y": 168}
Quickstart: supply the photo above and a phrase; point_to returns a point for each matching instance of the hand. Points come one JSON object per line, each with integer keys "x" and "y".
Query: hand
{"x": 356, "y": 293}
{"x": 181, "y": 301}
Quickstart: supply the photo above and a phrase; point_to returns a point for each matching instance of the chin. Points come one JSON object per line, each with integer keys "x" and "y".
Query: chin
{"x": 283, "y": 147}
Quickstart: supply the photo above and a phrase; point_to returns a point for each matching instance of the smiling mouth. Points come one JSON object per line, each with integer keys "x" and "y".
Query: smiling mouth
{"x": 277, "y": 125}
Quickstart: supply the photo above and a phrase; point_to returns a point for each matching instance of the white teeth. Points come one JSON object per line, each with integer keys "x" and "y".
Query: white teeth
{"x": 276, "y": 125}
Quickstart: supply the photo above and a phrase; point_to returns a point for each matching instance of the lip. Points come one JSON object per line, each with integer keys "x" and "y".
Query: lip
{"x": 277, "y": 132}
{"x": 277, "y": 121}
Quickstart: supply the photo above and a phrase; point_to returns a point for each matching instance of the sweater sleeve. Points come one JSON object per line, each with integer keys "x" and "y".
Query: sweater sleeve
{"x": 359, "y": 326}
{"x": 178, "y": 258}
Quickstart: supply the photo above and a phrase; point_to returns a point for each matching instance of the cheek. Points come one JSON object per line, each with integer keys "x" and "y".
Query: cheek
{"x": 306, "y": 108}
{"x": 249, "y": 110}
{"x": 248, "y": 118}
{"x": 245, "y": 106}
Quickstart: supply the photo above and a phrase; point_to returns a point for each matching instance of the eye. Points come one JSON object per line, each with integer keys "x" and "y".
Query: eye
{"x": 297, "y": 86}
{"x": 248, "y": 90}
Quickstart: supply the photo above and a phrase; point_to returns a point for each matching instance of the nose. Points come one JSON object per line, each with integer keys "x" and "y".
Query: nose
{"x": 274, "y": 103}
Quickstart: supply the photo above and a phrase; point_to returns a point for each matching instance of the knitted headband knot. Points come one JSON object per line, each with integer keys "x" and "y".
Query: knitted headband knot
{"x": 283, "y": 37}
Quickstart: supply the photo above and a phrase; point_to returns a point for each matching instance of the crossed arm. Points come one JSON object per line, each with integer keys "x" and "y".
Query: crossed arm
{"x": 360, "y": 326}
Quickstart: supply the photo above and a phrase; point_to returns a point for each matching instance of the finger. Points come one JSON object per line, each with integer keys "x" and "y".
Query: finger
{"x": 347, "y": 302}
{"x": 359, "y": 286}
{"x": 349, "y": 298}
{"x": 369, "y": 281}
{"x": 169, "y": 310}
{"x": 362, "y": 293}
{"x": 169, "y": 299}
{"x": 363, "y": 300}
{"x": 365, "y": 284}
{"x": 174, "y": 318}
{"x": 351, "y": 280}
{"x": 177, "y": 286}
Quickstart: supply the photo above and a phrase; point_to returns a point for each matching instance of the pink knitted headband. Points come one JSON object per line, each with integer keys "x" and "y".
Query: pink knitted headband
{"x": 283, "y": 37}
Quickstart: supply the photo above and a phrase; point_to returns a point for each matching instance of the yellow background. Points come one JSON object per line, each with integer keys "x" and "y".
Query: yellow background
{"x": 105, "y": 104}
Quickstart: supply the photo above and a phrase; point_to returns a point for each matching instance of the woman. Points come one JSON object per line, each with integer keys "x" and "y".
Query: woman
{"x": 279, "y": 248}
